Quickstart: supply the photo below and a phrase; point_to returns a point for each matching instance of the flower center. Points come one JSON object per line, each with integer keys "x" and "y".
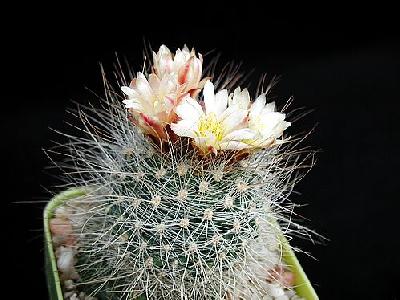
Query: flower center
{"x": 159, "y": 104}
{"x": 209, "y": 124}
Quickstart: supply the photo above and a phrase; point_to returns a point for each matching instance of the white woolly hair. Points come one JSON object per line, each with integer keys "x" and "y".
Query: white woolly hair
{"x": 161, "y": 222}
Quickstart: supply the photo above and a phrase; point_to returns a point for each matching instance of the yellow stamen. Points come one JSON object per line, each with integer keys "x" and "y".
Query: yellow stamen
{"x": 210, "y": 124}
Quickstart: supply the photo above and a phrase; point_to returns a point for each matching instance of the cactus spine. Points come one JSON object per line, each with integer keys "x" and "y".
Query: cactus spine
{"x": 164, "y": 221}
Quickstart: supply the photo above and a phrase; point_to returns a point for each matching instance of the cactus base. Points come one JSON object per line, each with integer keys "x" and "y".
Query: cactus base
{"x": 303, "y": 286}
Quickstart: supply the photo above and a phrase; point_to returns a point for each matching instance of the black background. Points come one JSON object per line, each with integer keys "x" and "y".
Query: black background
{"x": 343, "y": 64}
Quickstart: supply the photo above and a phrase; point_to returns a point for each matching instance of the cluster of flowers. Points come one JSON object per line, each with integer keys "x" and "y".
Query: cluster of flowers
{"x": 167, "y": 102}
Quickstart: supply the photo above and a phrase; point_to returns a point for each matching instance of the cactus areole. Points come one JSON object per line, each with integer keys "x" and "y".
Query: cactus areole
{"x": 180, "y": 187}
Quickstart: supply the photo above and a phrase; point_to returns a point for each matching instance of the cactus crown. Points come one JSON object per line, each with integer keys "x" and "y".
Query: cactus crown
{"x": 172, "y": 216}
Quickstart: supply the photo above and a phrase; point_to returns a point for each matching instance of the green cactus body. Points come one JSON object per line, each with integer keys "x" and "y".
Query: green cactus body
{"x": 161, "y": 220}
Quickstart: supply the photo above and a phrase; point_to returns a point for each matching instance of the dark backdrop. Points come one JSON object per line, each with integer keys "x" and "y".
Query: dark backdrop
{"x": 344, "y": 65}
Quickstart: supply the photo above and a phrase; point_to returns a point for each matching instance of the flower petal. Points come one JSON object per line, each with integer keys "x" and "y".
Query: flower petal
{"x": 184, "y": 128}
{"x": 233, "y": 145}
{"x": 273, "y": 124}
{"x": 257, "y": 106}
{"x": 221, "y": 101}
{"x": 162, "y": 61}
{"x": 128, "y": 91}
{"x": 240, "y": 98}
{"x": 261, "y": 141}
{"x": 181, "y": 57}
{"x": 240, "y": 134}
{"x": 189, "y": 109}
{"x": 132, "y": 105}
{"x": 143, "y": 87}
{"x": 206, "y": 142}
{"x": 280, "y": 128}
{"x": 232, "y": 118}
{"x": 209, "y": 97}
{"x": 154, "y": 82}
{"x": 270, "y": 107}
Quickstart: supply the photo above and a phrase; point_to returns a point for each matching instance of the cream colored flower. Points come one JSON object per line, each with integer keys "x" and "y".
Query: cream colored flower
{"x": 266, "y": 122}
{"x": 185, "y": 66}
{"x": 151, "y": 102}
{"x": 218, "y": 126}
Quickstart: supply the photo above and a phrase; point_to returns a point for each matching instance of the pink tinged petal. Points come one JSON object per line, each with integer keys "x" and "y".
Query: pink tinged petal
{"x": 143, "y": 87}
{"x": 183, "y": 72}
{"x": 171, "y": 101}
{"x": 221, "y": 101}
{"x": 167, "y": 86}
{"x": 195, "y": 71}
{"x": 189, "y": 109}
{"x": 154, "y": 82}
{"x": 162, "y": 60}
{"x": 209, "y": 98}
{"x": 233, "y": 145}
{"x": 190, "y": 73}
{"x": 149, "y": 121}
{"x": 132, "y": 84}
{"x": 257, "y": 106}
{"x": 240, "y": 134}
{"x": 197, "y": 68}
{"x": 180, "y": 58}
{"x": 156, "y": 127}
{"x": 184, "y": 128}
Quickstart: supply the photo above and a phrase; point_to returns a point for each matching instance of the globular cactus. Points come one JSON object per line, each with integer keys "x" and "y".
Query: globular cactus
{"x": 168, "y": 216}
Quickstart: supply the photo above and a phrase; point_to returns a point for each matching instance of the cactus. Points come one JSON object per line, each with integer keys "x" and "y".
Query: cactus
{"x": 164, "y": 219}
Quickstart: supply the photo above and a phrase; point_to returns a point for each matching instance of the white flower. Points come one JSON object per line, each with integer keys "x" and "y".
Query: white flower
{"x": 219, "y": 127}
{"x": 266, "y": 122}
{"x": 151, "y": 102}
{"x": 185, "y": 66}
